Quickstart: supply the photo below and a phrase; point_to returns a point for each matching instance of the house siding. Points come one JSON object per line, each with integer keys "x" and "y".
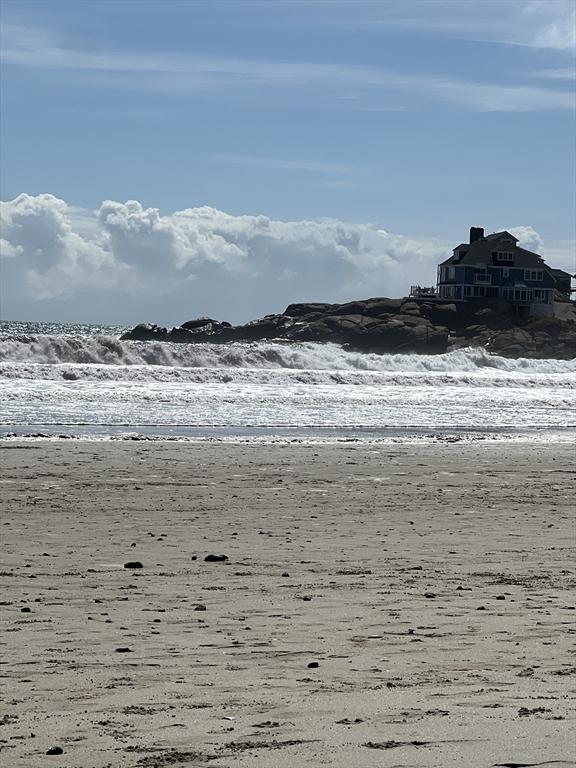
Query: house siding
{"x": 496, "y": 276}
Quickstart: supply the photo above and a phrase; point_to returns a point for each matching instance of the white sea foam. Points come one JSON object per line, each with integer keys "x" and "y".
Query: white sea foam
{"x": 96, "y": 380}
{"x": 108, "y": 350}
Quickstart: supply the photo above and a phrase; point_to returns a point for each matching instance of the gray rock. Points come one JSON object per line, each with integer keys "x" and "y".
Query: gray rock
{"x": 301, "y": 310}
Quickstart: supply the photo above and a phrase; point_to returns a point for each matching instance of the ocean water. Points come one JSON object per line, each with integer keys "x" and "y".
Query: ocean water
{"x": 81, "y": 380}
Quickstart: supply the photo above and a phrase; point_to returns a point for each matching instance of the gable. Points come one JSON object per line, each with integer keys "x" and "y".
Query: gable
{"x": 497, "y": 236}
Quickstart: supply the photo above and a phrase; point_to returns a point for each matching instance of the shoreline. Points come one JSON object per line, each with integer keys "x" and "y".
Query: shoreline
{"x": 287, "y": 435}
{"x": 429, "y": 583}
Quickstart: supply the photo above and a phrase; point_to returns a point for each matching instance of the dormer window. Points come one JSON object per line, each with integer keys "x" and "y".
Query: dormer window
{"x": 503, "y": 255}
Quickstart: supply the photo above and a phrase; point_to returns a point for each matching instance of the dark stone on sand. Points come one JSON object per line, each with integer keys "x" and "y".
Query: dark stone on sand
{"x": 123, "y": 649}
{"x": 26, "y": 609}
{"x": 55, "y": 751}
{"x": 395, "y": 744}
{"x": 500, "y": 597}
{"x": 215, "y": 558}
{"x": 133, "y": 564}
{"x": 481, "y": 608}
{"x": 285, "y": 574}
{"x": 429, "y": 595}
{"x": 200, "y": 607}
{"x": 313, "y": 665}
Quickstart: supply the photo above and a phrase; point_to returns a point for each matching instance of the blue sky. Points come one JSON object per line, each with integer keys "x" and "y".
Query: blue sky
{"x": 414, "y": 118}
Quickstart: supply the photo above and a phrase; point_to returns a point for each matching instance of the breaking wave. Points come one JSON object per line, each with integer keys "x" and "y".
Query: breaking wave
{"x": 79, "y": 376}
{"x": 32, "y": 356}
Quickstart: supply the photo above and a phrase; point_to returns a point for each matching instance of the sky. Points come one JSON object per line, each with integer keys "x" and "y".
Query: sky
{"x": 166, "y": 160}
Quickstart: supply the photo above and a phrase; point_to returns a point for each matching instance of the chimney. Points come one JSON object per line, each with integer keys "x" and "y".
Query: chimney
{"x": 476, "y": 233}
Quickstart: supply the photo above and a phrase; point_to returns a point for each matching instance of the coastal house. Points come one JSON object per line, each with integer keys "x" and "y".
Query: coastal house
{"x": 496, "y": 267}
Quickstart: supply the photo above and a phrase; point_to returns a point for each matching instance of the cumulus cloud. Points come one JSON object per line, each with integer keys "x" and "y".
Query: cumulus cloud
{"x": 527, "y": 238}
{"x": 205, "y": 260}
{"x": 56, "y": 259}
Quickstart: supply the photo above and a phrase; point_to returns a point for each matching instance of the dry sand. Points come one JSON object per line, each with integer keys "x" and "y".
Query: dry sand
{"x": 430, "y": 584}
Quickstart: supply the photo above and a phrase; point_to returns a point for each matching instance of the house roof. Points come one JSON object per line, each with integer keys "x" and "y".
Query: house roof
{"x": 561, "y": 273}
{"x": 500, "y": 235}
{"x": 480, "y": 252}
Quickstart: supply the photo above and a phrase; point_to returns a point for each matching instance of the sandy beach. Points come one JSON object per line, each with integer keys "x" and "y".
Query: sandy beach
{"x": 380, "y": 604}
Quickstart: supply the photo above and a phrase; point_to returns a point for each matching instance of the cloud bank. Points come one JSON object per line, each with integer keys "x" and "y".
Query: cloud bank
{"x": 199, "y": 260}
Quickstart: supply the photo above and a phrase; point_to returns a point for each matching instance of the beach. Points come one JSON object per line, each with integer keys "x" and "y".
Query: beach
{"x": 382, "y": 603}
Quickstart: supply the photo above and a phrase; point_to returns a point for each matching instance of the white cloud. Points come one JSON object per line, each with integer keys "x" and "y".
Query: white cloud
{"x": 555, "y": 23}
{"x": 527, "y": 237}
{"x": 38, "y": 231}
{"x": 546, "y": 24}
{"x": 558, "y": 73}
{"x": 130, "y": 249}
{"x": 181, "y": 74}
{"x": 9, "y": 251}
{"x": 205, "y": 260}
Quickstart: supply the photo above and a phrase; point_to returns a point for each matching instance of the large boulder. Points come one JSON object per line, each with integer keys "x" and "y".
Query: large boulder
{"x": 443, "y": 314}
{"x": 303, "y": 309}
{"x": 410, "y": 308}
{"x": 362, "y": 332}
{"x": 201, "y": 329}
{"x": 204, "y": 324}
{"x": 182, "y": 335}
{"x": 350, "y": 308}
{"x": 402, "y": 334}
{"x": 382, "y": 307}
{"x": 145, "y": 332}
{"x": 546, "y": 337}
{"x": 268, "y": 327}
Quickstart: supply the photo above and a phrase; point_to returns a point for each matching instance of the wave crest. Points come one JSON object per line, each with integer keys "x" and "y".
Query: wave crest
{"x": 110, "y": 351}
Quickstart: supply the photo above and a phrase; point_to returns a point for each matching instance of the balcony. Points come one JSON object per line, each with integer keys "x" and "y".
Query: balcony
{"x": 482, "y": 278}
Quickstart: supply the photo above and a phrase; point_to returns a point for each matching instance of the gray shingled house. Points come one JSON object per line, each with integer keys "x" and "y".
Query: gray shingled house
{"x": 496, "y": 267}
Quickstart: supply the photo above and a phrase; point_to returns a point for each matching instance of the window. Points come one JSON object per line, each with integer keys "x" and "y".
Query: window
{"x": 467, "y": 290}
{"x": 505, "y": 272}
{"x": 541, "y": 296}
{"x": 504, "y": 256}
{"x": 451, "y": 273}
{"x": 522, "y": 295}
{"x": 482, "y": 276}
{"x": 533, "y": 274}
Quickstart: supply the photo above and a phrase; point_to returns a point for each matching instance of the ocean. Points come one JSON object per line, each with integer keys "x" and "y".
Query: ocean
{"x": 81, "y": 380}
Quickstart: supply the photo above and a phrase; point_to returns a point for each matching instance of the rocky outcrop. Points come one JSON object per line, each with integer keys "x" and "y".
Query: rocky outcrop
{"x": 390, "y": 325}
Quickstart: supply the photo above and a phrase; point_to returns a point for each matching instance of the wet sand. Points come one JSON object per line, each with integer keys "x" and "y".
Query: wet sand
{"x": 428, "y": 585}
